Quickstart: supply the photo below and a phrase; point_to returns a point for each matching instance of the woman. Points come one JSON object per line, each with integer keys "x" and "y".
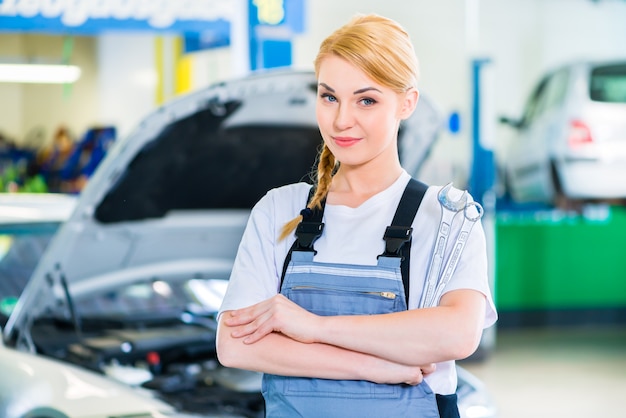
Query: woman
{"x": 335, "y": 338}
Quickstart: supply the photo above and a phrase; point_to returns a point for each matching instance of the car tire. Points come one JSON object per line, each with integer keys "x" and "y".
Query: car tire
{"x": 559, "y": 199}
{"x": 503, "y": 185}
{"x": 507, "y": 189}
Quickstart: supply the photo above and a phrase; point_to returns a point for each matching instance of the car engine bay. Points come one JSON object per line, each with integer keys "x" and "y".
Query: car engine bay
{"x": 173, "y": 357}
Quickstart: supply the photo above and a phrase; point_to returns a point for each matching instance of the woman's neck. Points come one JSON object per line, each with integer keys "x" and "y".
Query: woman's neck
{"x": 351, "y": 186}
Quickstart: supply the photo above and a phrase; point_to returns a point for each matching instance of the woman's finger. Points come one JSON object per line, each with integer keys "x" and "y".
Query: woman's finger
{"x": 428, "y": 369}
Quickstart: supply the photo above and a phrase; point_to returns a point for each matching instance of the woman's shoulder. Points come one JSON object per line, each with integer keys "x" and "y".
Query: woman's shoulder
{"x": 290, "y": 190}
{"x": 287, "y": 199}
{"x": 297, "y": 193}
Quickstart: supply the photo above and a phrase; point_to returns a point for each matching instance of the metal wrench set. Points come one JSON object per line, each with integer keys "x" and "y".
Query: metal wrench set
{"x": 439, "y": 274}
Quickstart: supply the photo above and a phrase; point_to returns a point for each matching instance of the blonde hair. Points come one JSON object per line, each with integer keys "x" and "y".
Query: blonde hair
{"x": 382, "y": 49}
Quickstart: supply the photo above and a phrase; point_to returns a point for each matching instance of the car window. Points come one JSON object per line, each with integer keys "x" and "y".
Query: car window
{"x": 195, "y": 163}
{"x": 555, "y": 91}
{"x": 608, "y": 84}
{"x": 549, "y": 94}
{"x": 533, "y": 106}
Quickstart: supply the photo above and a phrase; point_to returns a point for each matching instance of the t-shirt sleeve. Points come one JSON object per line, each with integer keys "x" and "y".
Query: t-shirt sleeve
{"x": 472, "y": 271}
{"x": 254, "y": 276}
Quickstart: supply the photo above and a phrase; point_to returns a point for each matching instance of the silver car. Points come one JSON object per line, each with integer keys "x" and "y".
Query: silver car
{"x": 570, "y": 144}
{"x": 38, "y": 386}
{"x": 130, "y": 284}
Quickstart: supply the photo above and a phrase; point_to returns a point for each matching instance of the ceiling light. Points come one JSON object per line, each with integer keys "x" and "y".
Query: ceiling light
{"x": 38, "y": 73}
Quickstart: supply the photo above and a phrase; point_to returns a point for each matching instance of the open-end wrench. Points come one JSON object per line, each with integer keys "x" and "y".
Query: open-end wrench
{"x": 469, "y": 219}
{"x": 449, "y": 209}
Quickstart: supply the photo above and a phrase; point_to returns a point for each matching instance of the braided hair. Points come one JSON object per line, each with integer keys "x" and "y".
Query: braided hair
{"x": 382, "y": 49}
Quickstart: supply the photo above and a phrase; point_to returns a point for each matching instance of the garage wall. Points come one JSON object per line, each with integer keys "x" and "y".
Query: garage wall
{"x": 527, "y": 37}
{"x": 32, "y": 112}
{"x": 521, "y": 37}
{"x": 127, "y": 78}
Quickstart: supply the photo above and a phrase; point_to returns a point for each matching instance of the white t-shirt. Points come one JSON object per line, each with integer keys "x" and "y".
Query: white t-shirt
{"x": 355, "y": 236}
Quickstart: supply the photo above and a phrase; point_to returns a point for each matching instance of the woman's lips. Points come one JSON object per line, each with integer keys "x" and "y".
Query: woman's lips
{"x": 345, "y": 141}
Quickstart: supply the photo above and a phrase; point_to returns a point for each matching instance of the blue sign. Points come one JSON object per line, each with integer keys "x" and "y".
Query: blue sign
{"x": 288, "y": 15}
{"x": 94, "y": 16}
{"x": 272, "y": 25}
{"x": 207, "y": 39}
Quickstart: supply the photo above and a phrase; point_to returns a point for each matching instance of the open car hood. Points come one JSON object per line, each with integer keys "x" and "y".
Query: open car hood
{"x": 174, "y": 196}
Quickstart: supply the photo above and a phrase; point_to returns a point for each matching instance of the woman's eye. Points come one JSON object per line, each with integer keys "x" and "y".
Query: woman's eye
{"x": 328, "y": 97}
{"x": 367, "y": 101}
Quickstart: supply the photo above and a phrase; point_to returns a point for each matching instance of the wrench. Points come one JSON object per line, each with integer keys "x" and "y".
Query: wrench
{"x": 453, "y": 260}
{"x": 449, "y": 209}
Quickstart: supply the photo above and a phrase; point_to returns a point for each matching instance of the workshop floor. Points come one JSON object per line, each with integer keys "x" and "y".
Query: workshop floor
{"x": 573, "y": 373}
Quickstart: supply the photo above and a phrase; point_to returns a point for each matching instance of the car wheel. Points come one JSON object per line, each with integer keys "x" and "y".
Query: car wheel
{"x": 502, "y": 185}
{"x": 559, "y": 199}
{"x": 507, "y": 192}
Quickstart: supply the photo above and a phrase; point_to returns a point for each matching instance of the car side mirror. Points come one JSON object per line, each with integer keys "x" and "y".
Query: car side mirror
{"x": 514, "y": 123}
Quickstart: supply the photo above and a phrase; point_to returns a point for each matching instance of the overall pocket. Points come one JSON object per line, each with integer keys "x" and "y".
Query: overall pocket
{"x": 337, "y": 301}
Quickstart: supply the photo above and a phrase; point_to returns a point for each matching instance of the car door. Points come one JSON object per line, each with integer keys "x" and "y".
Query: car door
{"x": 529, "y": 168}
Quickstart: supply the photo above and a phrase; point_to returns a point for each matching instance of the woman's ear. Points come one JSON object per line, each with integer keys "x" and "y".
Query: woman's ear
{"x": 409, "y": 102}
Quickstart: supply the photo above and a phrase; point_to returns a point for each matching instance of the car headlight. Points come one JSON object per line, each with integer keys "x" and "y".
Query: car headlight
{"x": 476, "y": 405}
{"x": 209, "y": 293}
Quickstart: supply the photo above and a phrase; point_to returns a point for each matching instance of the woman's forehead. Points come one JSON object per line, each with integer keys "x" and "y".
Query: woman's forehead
{"x": 336, "y": 74}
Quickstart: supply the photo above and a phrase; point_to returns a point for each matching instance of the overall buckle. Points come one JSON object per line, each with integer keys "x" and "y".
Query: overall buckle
{"x": 307, "y": 233}
{"x": 395, "y": 237}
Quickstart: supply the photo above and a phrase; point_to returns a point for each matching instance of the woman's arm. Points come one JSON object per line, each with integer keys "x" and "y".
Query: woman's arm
{"x": 450, "y": 331}
{"x": 416, "y": 337}
{"x": 278, "y": 354}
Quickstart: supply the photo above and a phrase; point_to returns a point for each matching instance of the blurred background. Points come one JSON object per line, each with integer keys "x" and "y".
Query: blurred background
{"x": 532, "y": 98}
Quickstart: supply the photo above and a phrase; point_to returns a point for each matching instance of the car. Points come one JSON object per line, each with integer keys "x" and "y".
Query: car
{"x": 27, "y": 224}
{"x": 37, "y": 386}
{"x": 130, "y": 285}
{"x": 569, "y": 147}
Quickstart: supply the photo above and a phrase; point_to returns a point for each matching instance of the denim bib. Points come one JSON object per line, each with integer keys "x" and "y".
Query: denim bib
{"x": 344, "y": 289}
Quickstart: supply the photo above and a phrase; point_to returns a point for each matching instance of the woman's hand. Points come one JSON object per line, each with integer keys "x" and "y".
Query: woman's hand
{"x": 277, "y": 314}
{"x": 428, "y": 369}
{"x": 387, "y": 372}
{"x": 280, "y": 315}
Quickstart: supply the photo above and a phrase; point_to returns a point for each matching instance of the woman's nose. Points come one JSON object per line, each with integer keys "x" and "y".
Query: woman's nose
{"x": 344, "y": 118}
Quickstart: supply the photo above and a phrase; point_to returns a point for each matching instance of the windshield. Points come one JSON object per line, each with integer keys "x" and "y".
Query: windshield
{"x": 21, "y": 247}
{"x": 608, "y": 84}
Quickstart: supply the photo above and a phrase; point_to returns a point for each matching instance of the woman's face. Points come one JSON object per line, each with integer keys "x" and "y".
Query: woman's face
{"x": 359, "y": 118}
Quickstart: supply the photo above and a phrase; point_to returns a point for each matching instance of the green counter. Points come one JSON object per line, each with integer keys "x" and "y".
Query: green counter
{"x": 555, "y": 260}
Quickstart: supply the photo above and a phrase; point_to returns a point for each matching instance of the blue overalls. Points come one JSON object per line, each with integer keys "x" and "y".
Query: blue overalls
{"x": 344, "y": 289}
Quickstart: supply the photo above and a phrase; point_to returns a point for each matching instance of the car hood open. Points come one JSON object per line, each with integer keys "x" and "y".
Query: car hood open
{"x": 175, "y": 194}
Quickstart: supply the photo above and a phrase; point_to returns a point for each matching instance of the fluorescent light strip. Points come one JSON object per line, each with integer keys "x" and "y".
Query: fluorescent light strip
{"x": 38, "y": 73}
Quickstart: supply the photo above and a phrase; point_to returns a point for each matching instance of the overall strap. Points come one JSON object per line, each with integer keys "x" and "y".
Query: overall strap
{"x": 307, "y": 231}
{"x": 398, "y": 235}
